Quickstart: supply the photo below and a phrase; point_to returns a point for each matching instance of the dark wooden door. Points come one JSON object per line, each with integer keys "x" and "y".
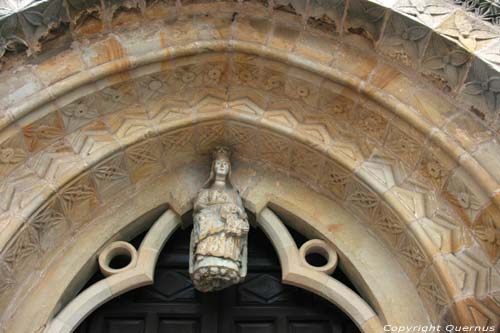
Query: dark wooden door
{"x": 261, "y": 304}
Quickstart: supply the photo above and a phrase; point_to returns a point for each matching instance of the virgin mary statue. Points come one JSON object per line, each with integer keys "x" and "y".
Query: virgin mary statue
{"x": 218, "y": 249}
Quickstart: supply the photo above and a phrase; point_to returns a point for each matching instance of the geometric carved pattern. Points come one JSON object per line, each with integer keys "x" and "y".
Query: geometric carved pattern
{"x": 466, "y": 198}
{"x": 126, "y": 122}
{"x": 24, "y": 246}
{"x": 412, "y": 253}
{"x": 55, "y": 162}
{"x": 432, "y": 292}
{"x": 6, "y": 277}
{"x": 79, "y": 199}
{"x": 209, "y": 136}
{"x": 487, "y": 232}
{"x": 412, "y": 202}
{"x": 44, "y": 131}
{"x": 49, "y": 220}
{"x": 389, "y": 223}
{"x": 362, "y": 199}
{"x": 274, "y": 150}
{"x": 401, "y": 144}
{"x": 12, "y": 154}
{"x": 365, "y": 19}
{"x": 144, "y": 159}
{"x": 335, "y": 179}
{"x": 20, "y": 190}
{"x": 113, "y": 174}
{"x": 91, "y": 139}
{"x": 79, "y": 113}
{"x": 479, "y": 312}
{"x": 306, "y": 164}
{"x": 241, "y": 139}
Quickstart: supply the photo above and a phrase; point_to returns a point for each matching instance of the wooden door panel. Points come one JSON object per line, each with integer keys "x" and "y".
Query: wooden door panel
{"x": 171, "y": 285}
{"x": 174, "y": 325}
{"x": 124, "y": 325}
{"x": 255, "y": 327}
{"x": 309, "y": 327}
{"x": 263, "y": 288}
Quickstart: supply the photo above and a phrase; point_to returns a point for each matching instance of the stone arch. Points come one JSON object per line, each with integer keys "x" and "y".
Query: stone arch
{"x": 74, "y": 263}
{"x": 142, "y": 273}
{"x": 53, "y": 208}
{"x": 422, "y": 141}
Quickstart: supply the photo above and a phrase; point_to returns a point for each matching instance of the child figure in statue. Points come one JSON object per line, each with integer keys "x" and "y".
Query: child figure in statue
{"x": 218, "y": 249}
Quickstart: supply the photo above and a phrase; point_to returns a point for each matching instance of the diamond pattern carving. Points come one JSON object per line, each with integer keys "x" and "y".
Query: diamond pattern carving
{"x": 111, "y": 176}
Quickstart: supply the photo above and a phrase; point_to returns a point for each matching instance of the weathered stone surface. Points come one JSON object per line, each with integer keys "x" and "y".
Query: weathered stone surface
{"x": 285, "y": 92}
{"x": 218, "y": 249}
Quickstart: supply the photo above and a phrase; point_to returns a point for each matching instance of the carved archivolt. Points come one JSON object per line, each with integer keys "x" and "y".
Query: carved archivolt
{"x": 410, "y": 160}
{"x": 333, "y": 177}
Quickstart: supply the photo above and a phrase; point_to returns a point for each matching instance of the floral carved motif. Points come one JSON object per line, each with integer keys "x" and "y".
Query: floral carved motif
{"x": 487, "y": 87}
{"x": 404, "y": 40}
{"x": 446, "y": 61}
{"x": 367, "y": 17}
{"x": 467, "y": 32}
{"x": 426, "y": 11}
{"x": 79, "y": 113}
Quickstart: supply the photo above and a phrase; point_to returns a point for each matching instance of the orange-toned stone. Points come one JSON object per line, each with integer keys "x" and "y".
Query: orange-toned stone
{"x": 252, "y": 29}
{"x": 60, "y": 66}
{"x": 42, "y": 132}
{"x": 89, "y": 26}
{"x": 103, "y": 51}
{"x": 355, "y": 61}
{"x": 316, "y": 46}
{"x": 472, "y": 312}
{"x": 469, "y": 131}
{"x": 283, "y": 37}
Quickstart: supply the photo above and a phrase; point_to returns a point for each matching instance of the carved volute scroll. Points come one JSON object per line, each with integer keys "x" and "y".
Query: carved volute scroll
{"x": 218, "y": 249}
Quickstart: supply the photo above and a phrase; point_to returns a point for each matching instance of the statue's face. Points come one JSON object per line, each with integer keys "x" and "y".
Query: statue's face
{"x": 221, "y": 167}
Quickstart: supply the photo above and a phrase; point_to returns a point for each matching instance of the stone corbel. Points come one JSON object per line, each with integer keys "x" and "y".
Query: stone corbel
{"x": 298, "y": 272}
{"x": 139, "y": 272}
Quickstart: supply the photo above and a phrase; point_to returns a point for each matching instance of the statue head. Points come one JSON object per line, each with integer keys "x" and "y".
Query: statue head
{"x": 221, "y": 167}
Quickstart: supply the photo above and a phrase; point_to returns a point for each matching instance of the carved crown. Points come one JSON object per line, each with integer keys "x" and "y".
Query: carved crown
{"x": 222, "y": 153}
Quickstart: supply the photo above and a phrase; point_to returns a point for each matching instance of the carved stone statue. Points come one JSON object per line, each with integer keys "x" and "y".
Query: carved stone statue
{"x": 218, "y": 249}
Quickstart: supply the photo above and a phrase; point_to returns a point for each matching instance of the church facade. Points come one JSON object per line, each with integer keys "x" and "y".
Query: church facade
{"x": 360, "y": 136}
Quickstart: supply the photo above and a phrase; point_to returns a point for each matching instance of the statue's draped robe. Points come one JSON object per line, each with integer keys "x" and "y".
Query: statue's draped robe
{"x": 219, "y": 238}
